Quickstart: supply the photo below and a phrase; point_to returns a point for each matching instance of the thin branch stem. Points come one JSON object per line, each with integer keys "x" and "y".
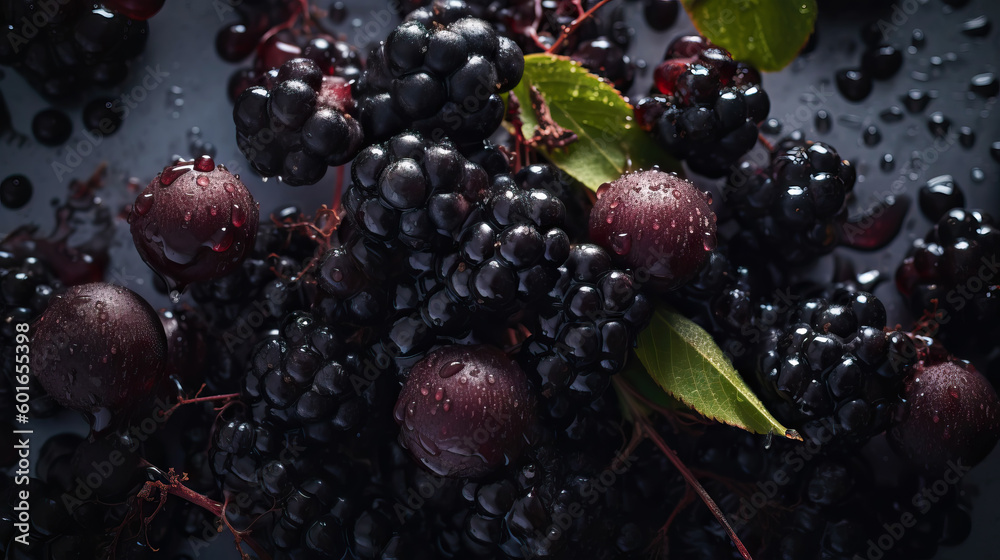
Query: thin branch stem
{"x": 571, "y": 28}
{"x": 642, "y": 424}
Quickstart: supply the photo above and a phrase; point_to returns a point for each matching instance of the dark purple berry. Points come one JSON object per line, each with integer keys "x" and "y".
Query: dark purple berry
{"x": 194, "y": 222}
{"x": 950, "y": 413}
{"x": 655, "y": 222}
{"x": 100, "y": 349}
{"x": 465, "y": 410}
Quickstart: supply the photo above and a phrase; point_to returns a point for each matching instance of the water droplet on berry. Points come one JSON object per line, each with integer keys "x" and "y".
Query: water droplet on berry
{"x": 451, "y": 369}
{"x": 213, "y": 210}
{"x": 425, "y": 391}
{"x": 621, "y": 243}
{"x": 439, "y": 394}
{"x": 224, "y": 242}
{"x": 144, "y": 204}
{"x": 447, "y": 405}
{"x": 187, "y": 216}
{"x": 205, "y": 163}
{"x": 170, "y": 174}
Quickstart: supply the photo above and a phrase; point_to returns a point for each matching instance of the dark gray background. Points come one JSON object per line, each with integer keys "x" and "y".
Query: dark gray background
{"x": 194, "y": 95}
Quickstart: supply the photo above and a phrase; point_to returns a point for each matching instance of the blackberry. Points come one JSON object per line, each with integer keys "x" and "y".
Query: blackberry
{"x": 586, "y": 328}
{"x": 83, "y": 44}
{"x": 299, "y": 125}
{"x": 439, "y": 77}
{"x": 794, "y": 207}
{"x": 952, "y": 275}
{"x": 831, "y": 369}
{"x": 707, "y": 107}
{"x": 307, "y": 378}
{"x": 409, "y": 192}
{"x": 512, "y": 254}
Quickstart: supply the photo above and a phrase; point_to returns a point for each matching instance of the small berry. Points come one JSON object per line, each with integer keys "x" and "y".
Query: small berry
{"x": 464, "y": 410}
{"x": 194, "y": 222}
{"x": 950, "y": 413}
{"x": 655, "y": 222}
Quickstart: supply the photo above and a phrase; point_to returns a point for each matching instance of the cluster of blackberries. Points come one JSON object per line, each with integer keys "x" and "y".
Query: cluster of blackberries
{"x": 794, "y": 206}
{"x": 953, "y": 275}
{"x": 440, "y": 73}
{"x": 707, "y": 107}
{"x": 299, "y": 125}
{"x": 62, "y": 48}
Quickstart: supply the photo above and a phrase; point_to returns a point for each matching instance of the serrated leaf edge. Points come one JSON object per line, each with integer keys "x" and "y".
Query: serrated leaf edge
{"x": 719, "y": 361}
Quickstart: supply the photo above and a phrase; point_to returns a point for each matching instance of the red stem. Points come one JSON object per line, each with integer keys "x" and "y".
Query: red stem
{"x": 642, "y": 424}
{"x": 572, "y": 26}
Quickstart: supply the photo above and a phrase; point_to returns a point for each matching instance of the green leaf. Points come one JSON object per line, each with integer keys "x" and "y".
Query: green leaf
{"x": 609, "y": 142}
{"x": 639, "y": 379}
{"x": 766, "y": 33}
{"x": 684, "y": 360}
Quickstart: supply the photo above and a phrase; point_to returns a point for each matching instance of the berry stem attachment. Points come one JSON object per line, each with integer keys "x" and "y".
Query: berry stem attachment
{"x": 175, "y": 486}
{"x": 181, "y": 401}
{"x": 571, "y": 28}
{"x": 641, "y": 424}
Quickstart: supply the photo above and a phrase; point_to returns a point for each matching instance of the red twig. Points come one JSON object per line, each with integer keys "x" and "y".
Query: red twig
{"x": 571, "y": 28}
{"x": 227, "y": 398}
{"x": 175, "y": 487}
{"x": 642, "y": 424}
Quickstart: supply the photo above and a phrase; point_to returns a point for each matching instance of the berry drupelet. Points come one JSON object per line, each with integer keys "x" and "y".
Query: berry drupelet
{"x": 707, "y": 107}
{"x": 299, "y": 124}
{"x": 794, "y": 207}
